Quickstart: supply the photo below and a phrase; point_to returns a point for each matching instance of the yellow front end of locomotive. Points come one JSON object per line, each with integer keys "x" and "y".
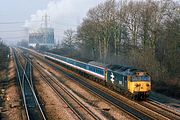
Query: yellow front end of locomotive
{"x": 139, "y": 86}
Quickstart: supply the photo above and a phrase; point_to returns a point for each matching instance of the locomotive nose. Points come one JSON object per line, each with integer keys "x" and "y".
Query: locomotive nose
{"x": 141, "y": 86}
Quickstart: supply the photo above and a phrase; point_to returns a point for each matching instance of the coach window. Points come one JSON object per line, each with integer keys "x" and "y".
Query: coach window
{"x": 98, "y": 71}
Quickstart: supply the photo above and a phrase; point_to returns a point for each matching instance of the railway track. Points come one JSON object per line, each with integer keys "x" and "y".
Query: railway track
{"x": 78, "y": 107}
{"x": 94, "y": 89}
{"x": 151, "y": 108}
{"x": 153, "y": 111}
{"x": 128, "y": 106}
{"x": 135, "y": 109}
{"x": 31, "y": 104}
{"x": 161, "y": 109}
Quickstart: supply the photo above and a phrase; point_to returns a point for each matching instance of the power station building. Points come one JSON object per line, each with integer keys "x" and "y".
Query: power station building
{"x": 42, "y": 37}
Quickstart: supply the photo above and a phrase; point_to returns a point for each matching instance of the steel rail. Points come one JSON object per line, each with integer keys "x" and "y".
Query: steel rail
{"x": 124, "y": 107}
{"x": 20, "y": 82}
{"x": 32, "y": 90}
{"x": 161, "y": 109}
{"x": 52, "y": 79}
{"x": 116, "y": 102}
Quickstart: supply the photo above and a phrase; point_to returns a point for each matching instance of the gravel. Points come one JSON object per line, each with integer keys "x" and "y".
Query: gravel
{"x": 13, "y": 109}
{"x": 106, "y": 109}
{"x": 54, "y": 107}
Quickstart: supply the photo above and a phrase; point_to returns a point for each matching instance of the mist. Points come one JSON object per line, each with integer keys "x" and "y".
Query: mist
{"x": 62, "y": 15}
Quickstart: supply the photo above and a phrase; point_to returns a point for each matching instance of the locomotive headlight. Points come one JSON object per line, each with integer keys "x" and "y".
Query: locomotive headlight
{"x": 147, "y": 85}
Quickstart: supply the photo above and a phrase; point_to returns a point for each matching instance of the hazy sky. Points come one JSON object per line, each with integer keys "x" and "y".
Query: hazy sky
{"x": 16, "y": 15}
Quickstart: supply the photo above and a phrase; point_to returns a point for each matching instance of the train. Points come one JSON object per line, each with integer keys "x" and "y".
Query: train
{"x": 132, "y": 82}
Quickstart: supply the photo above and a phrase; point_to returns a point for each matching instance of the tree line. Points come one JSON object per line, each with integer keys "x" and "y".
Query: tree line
{"x": 142, "y": 33}
{"x": 4, "y": 54}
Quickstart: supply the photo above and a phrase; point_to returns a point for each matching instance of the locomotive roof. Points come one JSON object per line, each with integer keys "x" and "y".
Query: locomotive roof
{"x": 130, "y": 69}
{"x": 114, "y": 67}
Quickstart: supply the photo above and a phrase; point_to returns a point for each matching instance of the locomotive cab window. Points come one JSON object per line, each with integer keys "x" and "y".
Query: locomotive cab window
{"x": 140, "y": 78}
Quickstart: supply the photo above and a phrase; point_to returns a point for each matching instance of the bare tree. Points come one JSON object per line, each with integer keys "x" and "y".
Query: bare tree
{"x": 69, "y": 39}
{"x": 138, "y": 33}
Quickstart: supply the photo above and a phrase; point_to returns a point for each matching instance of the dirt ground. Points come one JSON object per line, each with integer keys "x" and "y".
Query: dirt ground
{"x": 12, "y": 105}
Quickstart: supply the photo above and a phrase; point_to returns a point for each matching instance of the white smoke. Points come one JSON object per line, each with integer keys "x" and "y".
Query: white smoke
{"x": 64, "y": 14}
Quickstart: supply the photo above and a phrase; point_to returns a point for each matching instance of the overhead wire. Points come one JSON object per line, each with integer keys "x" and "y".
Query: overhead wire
{"x": 16, "y": 22}
{"x": 14, "y": 37}
{"x": 12, "y": 31}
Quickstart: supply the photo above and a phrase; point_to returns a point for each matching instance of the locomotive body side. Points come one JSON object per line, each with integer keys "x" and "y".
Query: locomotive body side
{"x": 119, "y": 81}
